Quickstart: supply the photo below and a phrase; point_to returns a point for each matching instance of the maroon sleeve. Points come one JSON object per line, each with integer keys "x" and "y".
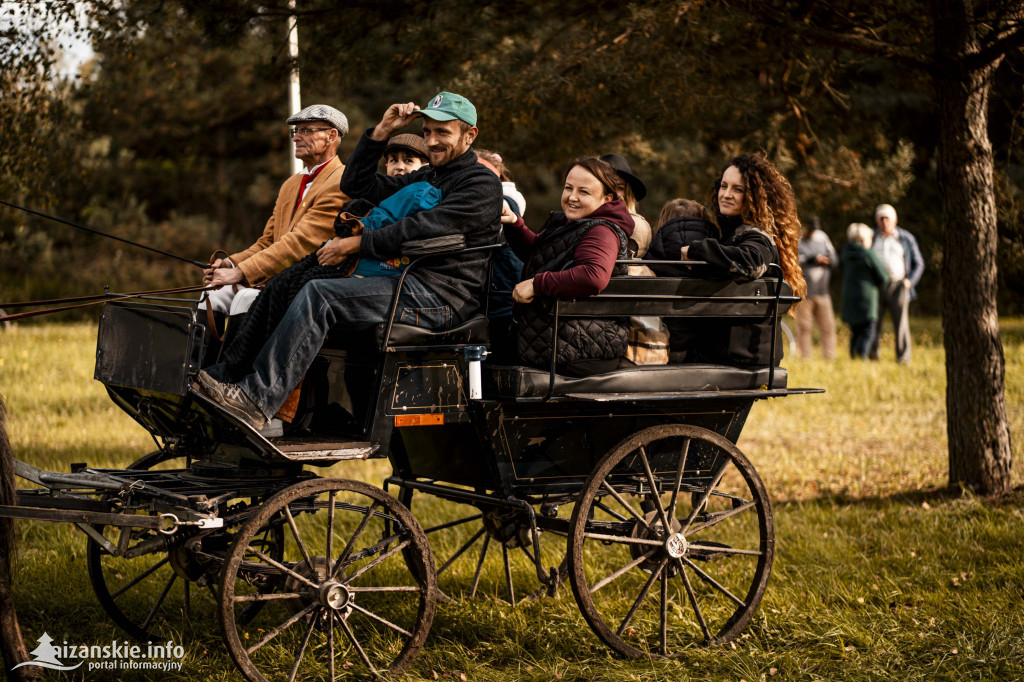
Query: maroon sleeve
{"x": 595, "y": 259}
{"x": 520, "y": 238}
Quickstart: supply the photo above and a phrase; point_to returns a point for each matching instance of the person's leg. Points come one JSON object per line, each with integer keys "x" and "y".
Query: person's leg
{"x": 804, "y": 321}
{"x": 354, "y": 302}
{"x": 884, "y": 306}
{"x": 219, "y": 300}
{"x": 857, "y": 348}
{"x": 901, "y": 323}
{"x": 826, "y": 319}
{"x": 243, "y": 300}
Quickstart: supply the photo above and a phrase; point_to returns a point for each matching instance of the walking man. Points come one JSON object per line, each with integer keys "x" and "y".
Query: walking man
{"x": 898, "y": 251}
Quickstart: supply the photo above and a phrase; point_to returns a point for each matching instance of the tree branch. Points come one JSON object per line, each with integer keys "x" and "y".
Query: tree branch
{"x": 996, "y": 49}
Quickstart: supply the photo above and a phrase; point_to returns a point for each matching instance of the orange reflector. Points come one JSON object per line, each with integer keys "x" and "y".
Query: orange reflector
{"x": 419, "y": 419}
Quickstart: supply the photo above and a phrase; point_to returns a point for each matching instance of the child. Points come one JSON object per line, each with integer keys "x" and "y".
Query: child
{"x": 682, "y": 222}
{"x": 405, "y": 153}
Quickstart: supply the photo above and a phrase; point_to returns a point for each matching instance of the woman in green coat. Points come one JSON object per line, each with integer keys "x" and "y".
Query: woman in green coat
{"x": 863, "y": 274}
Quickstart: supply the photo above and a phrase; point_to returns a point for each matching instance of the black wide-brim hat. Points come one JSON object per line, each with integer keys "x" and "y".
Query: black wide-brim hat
{"x": 621, "y": 166}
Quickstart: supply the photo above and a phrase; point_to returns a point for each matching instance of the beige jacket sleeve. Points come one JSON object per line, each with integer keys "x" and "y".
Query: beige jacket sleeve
{"x": 289, "y": 238}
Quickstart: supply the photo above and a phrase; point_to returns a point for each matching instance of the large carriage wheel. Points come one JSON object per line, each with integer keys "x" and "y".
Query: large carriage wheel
{"x": 469, "y": 541}
{"x": 679, "y": 546}
{"x": 151, "y": 595}
{"x": 357, "y": 579}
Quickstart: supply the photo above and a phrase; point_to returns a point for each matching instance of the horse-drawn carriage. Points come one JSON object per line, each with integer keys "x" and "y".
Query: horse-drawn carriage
{"x": 627, "y": 485}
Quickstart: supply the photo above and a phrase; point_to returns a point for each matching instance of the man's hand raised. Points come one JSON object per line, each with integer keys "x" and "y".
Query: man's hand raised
{"x": 395, "y": 118}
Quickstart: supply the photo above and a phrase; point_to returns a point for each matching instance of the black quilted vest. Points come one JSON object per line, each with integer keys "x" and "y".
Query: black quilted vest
{"x": 578, "y": 338}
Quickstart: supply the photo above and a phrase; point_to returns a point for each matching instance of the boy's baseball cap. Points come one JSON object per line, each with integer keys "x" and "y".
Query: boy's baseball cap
{"x": 447, "y": 106}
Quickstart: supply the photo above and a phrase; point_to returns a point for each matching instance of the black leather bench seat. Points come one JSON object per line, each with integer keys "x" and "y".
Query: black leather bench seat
{"x": 525, "y": 382}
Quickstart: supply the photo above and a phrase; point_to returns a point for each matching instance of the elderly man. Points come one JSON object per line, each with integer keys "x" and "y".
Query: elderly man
{"x": 303, "y": 217}
{"x": 898, "y": 251}
{"x": 438, "y": 296}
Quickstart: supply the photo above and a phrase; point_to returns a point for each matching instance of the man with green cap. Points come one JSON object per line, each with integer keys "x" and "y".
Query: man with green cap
{"x": 442, "y": 294}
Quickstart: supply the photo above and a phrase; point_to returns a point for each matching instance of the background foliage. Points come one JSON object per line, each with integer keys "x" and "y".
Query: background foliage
{"x": 174, "y": 131}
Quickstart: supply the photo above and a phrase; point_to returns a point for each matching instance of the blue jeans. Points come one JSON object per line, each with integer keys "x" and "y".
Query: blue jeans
{"x": 355, "y": 302}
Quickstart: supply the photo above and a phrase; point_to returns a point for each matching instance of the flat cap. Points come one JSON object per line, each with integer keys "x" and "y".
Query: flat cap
{"x": 321, "y": 112}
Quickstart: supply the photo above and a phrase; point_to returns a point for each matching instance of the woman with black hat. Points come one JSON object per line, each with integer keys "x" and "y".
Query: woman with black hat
{"x": 631, "y": 190}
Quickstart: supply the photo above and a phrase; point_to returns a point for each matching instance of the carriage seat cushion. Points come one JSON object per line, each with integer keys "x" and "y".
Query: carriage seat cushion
{"x": 474, "y": 330}
{"x": 523, "y": 382}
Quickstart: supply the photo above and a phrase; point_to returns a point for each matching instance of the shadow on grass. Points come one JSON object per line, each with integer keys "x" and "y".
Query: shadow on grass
{"x": 913, "y": 498}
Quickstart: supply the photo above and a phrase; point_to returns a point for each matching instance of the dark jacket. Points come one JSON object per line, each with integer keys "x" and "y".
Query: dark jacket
{"x": 554, "y": 250}
{"x": 672, "y": 237}
{"x": 743, "y": 253}
{"x": 470, "y": 205}
{"x": 863, "y": 274}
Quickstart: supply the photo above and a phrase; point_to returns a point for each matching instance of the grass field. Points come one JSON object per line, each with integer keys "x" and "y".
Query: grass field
{"x": 879, "y": 573}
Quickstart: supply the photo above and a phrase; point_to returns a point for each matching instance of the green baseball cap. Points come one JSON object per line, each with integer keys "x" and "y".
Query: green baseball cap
{"x": 447, "y": 106}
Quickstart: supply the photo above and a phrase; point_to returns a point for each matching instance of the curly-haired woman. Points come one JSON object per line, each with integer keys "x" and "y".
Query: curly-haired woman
{"x": 756, "y": 211}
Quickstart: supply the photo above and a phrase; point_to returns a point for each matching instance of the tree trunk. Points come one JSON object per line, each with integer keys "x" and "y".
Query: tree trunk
{"x": 980, "y": 458}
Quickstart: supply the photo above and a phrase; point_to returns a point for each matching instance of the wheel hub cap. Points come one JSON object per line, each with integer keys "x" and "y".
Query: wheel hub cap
{"x": 335, "y": 596}
{"x": 675, "y": 545}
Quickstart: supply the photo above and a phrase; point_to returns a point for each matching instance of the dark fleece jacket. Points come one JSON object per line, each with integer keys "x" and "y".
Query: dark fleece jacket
{"x": 470, "y": 205}
{"x": 672, "y": 237}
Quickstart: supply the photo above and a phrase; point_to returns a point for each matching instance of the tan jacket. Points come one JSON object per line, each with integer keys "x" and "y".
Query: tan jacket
{"x": 288, "y": 238}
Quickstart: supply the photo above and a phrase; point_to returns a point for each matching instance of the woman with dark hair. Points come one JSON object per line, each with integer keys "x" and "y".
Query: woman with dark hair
{"x": 756, "y": 211}
{"x": 573, "y": 255}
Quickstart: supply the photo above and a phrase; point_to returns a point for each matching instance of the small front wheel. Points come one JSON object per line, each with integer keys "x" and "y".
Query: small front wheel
{"x": 672, "y": 542}
{"x": 356, "y": 581}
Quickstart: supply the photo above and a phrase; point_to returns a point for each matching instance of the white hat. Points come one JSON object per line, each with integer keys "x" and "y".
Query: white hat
{"x": 322, "y": 112}
{"x": 885, "y": 210}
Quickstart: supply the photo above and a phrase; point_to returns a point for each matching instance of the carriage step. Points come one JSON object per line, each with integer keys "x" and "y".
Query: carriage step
{"x": 311, "y": 449}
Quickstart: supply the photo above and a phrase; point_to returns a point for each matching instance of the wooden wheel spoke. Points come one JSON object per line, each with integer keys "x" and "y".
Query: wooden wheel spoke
{"x": 281, "y": 567}
{"x": 643, "y": 595}
{"x": 386, "y": 588}
{"x": 298, "y": 540}
{"x": 664, "y": 612}
{"x": 355, "y": 643}
{"x": 268, "y": 596}
{"x": 330, "y": 532}
{"x": 452, "y": 524}
{"x": 718, "y": 517}
{"x": 159, "y": 601}
{"x": 369, "y": 614}
{"x": 624, "y": 539}
{"x": 302, "y": 650}
{"x": 352, "y": 540}
{"x": 649, "y": 475}
{"x": 714, "y": 583}
{"x": 724, "y": 549}
{"x": 693, "y": 602}
{"x": 631, "y": 565}
{"x": 383, "y": 557}
{"x": 703, "y": 501}
{"x": 330, "y": 644}
{"x": 626, "y": 505}
{"x": 462, "y": 549}
{"x": 480, "y": 565}
{"x": 139, "y": 578}
{"x": 608, "y": 510}
{"x": 678, "y": 479}
{"x": 282, "y": 627}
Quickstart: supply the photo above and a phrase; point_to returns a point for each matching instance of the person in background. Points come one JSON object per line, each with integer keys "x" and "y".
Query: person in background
{"x": 303, "y": 216}
{"x": 863, "y": 277}
{"x": 756, "y": 211}
{"x": 572, "y": 256}
{"x": 817, "y": 259}
{"x": 631, "y": 190}
{"x": 902, "y": 258}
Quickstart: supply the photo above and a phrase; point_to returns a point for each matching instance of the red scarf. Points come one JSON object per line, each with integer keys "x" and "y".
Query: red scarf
{"x": 306, "y": 180}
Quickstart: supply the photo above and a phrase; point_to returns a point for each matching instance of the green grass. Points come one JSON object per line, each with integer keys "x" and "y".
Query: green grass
{"x": 879, "y": 574}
